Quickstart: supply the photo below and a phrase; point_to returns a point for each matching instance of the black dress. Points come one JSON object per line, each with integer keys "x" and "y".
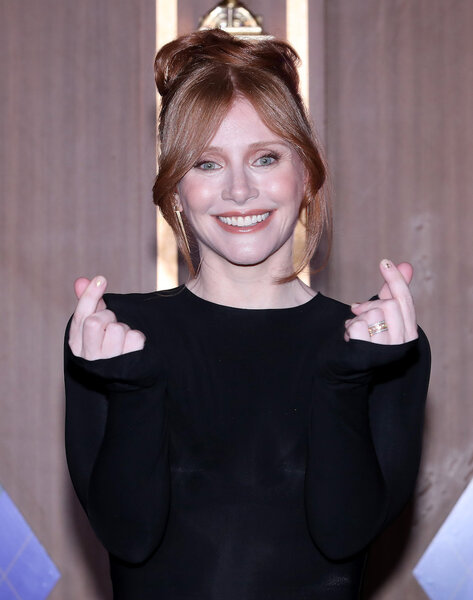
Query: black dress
{"x": 243, "y": 454}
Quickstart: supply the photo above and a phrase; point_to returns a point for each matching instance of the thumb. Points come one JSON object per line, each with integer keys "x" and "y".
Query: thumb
{"x": 80, "y": 285}
{"x": 406, "y": 270}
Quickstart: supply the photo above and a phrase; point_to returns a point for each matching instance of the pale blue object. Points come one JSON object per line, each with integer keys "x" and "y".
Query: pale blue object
{"x": 445, "y": 570}
{"x": 26, "y": 571}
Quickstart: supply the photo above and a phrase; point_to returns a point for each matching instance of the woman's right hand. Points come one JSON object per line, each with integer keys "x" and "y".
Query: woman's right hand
{"x": 95, "y": 332}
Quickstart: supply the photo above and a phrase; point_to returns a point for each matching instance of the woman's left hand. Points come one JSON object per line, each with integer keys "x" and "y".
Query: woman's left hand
{"x": 392, "y": 318}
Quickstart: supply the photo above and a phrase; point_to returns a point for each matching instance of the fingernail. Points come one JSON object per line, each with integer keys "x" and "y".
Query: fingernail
{"x": 99, "y": 281}
{"x": 386, "y": 263}
{"x": 355, "y": 304}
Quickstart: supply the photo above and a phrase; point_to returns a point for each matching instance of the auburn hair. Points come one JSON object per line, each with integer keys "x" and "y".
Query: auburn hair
{"x": 199, "y": 76}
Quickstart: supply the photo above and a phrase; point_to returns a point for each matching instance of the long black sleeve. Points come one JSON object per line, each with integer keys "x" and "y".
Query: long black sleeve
{"x": 244, "y": 447}
{"x": 116, "y": 445}
{"x": 365, "y": 440}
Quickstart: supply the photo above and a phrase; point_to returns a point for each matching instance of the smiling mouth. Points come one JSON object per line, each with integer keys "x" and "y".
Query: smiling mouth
{"x": 246, "y": 221}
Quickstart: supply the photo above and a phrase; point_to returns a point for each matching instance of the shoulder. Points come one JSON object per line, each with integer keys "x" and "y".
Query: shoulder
{"x": 141, "y": 310}
{"x": 331, "y": 304}
{"x": 141, "y": 301}
{"x": 330, "y": 309}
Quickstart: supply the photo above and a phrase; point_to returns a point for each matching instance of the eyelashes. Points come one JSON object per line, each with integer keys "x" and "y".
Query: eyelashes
{"x": 274, "y": 156}
{"x": 264, "y": 160}
{"x": 206, "y": 165}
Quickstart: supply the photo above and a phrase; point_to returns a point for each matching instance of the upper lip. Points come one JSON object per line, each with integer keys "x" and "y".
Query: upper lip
{"x": 244, "y": 213}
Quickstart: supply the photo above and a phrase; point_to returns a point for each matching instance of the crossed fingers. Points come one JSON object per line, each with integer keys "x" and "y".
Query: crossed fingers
{"x": 391, "y": 319}
{"x": 95, "y": 332}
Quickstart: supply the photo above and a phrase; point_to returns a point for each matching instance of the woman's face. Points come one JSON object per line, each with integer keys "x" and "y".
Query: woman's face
{"x": 243, "y": 195}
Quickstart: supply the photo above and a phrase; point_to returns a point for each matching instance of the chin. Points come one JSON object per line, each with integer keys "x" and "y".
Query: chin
{"x": 247, "y": 259}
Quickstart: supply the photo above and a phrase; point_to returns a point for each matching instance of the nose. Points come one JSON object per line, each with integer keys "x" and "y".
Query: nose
{"x": 239, "y": 187}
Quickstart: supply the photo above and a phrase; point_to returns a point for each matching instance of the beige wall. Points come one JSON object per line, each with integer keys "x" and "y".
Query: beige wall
{"x": 391, "y": 86}
{"x": 399, "y": 91}
{"x": 77, "y": 165}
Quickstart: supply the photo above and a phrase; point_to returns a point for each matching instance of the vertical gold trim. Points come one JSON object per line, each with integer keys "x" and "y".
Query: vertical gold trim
{"x": 297, "y": 34}
{"x": 166, "y": 259}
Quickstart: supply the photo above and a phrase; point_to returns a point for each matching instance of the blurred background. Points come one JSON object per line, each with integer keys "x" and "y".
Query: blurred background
{"x": 391, "y": 92}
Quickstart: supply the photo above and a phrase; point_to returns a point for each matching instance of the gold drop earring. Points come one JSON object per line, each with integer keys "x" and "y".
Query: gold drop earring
{"x": 181, "y": 226}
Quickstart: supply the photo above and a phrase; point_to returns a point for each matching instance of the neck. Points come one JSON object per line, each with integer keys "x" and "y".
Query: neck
{"x": 247, "y": 286}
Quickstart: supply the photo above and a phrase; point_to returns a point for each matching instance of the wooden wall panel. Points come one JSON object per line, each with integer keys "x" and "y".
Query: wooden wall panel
{"x": 77, "y": 165}
{"x": 399, "y": 86}
{"x": 391, "y": 94}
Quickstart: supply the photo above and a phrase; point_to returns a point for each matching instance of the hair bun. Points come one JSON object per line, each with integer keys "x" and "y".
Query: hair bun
{"x": 213, "y": 47}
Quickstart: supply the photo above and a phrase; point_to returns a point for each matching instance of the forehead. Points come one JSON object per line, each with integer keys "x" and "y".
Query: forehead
{"x": 242, "y": 125}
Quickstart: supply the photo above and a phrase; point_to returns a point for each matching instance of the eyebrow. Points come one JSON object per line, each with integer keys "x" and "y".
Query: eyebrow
{"x": 251, "y": 146}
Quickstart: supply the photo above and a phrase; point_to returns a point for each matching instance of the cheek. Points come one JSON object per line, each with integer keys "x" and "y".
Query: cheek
{"x": 289, "y": 190}
{"x": 194, "y": 196}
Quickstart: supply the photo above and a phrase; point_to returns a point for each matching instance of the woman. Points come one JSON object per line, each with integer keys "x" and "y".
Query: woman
{"x": 241, "y": 437}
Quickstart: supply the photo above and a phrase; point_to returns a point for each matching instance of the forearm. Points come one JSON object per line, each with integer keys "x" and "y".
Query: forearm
{"x": 345, "y": 492}
{"x": 365, "y": 439}
{"x": 397, "y": 407}
{"x": 116, "y": 447}
{"x": 128, "y": 494}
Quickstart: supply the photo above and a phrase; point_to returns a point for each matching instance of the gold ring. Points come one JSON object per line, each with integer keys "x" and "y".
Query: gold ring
{"x": 377, "y": 327}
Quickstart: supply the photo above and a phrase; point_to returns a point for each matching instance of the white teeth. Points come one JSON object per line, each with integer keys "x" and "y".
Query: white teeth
{"x": 246, "y": 221}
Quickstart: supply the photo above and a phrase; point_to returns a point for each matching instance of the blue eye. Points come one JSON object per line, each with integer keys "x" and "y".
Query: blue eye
{"x": 207, "y": 165}
{"x": 266, "y": 160}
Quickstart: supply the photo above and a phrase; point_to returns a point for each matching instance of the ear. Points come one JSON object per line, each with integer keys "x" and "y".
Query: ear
{"x": 306, "y": 177}
{"x": 176, "y": 201}
{"x": 306, "y": 197}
